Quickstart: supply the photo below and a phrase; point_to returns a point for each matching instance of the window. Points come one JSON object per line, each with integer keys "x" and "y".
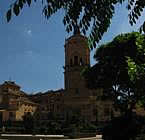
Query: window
{"x": 71, "y": 63}
{"x": 77, "y": 91}
{"x": 81, "y": 62}
{"x": 10, "y": 114}
{"x": 75, "y": 60}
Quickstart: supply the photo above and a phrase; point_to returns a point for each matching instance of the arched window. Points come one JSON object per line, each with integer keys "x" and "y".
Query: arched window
{"x": 75, "y": 60}
{"x": 77, "y": 91}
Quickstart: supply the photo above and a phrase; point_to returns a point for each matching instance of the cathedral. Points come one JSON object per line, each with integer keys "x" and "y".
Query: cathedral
{"x": 75, "y": 98}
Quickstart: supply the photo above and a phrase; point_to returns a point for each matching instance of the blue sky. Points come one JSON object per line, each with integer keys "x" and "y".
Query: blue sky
{"x": 32, "y": 48}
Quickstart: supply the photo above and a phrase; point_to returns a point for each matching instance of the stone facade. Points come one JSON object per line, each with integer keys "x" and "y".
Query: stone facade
{"x": 14, "y": 102}
{"x": 78, "y": 98}
{"x": 50, "y": 102}
{"x": 75, "y": 98}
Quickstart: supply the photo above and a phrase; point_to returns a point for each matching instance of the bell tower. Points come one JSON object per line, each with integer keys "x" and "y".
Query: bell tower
{"x": 77, "y": 57}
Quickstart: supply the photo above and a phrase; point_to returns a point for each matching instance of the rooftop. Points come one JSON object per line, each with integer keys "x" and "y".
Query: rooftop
{"x": 12, "y": 83}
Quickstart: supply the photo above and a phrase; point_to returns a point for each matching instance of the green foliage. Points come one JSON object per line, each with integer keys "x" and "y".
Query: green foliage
{"x": 120, "y": 70}
{"x": 9, "y": 15}
{"x": 94, "y": 16}
{"x": 135, "y": 10}
{"x": 16, "y": 9}
{"x": 132, "y": 69}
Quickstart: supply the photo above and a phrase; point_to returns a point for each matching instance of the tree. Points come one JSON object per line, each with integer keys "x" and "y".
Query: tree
{"x": 124, "y": 128}
{"x": 120, "y": 71}
{"x": 28, "y": 121}
{"x": 84, "y": 14}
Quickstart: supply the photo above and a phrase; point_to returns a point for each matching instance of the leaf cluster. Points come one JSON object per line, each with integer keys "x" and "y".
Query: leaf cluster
{"x": 89, "y": 15}
{"x": 16, "y": 7}
{"x": 120, "y": 70}
{"x": 136, "y": 8}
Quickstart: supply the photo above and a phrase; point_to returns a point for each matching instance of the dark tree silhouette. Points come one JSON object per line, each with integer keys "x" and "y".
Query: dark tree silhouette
{"x": 120, "y": 71}
{"x": 95, "y": 15}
